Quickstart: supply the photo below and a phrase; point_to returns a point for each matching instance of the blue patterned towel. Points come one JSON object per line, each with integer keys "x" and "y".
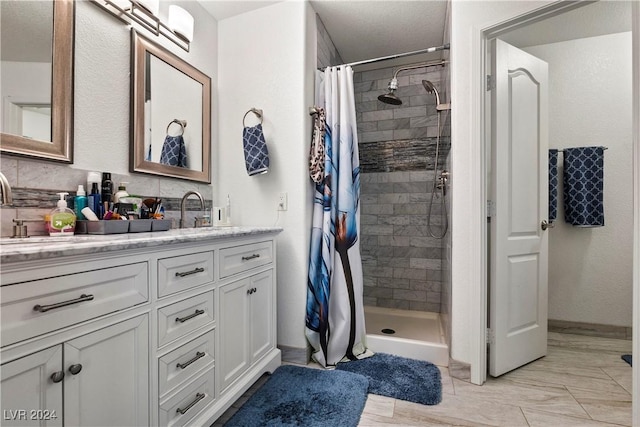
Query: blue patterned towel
{"x": 174, "y": 152}
{"x": 256, "y": 155}
{"x": 553, "y": 185}
{"x": 584, "y": 186}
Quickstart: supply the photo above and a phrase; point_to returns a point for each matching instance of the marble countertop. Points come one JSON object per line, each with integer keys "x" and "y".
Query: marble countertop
{"x": 42, "y": 247}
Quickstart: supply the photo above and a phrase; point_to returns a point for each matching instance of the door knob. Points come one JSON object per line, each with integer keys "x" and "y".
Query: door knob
{"x": 544, "y": 225}
{"x": 75, "y": 369}
{"x": 56, "y": 377}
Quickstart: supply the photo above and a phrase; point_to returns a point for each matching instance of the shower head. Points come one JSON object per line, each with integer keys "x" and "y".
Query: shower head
{"x": 391, "y": 98}
{"x": 431, "y": 89}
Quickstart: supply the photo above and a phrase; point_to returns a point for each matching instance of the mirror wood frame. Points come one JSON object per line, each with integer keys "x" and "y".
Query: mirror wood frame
{"x": 60, "y": 148}
{"x": 140, "y": 46}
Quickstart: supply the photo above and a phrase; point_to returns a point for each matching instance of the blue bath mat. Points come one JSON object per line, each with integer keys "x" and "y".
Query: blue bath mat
{"x": 627, "y": 358}
{"x": 297, "y": 396}
{"x": 399, "y": 377}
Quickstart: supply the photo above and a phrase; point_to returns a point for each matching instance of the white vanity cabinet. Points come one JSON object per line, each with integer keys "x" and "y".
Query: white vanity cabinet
{"x": 32, "y": 389}
{"x": 105, "y": 376}
{"x": 247, "y": 325}
{"x": 153, "y": 329}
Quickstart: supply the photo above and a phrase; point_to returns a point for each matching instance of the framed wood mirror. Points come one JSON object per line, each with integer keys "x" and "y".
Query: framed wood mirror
{"x": 37, "y": 79}
{"x": 171, "y": 114}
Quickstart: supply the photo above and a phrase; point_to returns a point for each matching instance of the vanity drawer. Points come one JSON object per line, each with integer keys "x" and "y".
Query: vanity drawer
{"x": 33, "y": 308}
{"x": 184, "y": 363}
{"x": 179, "y": 273}
{"x": 183, "y": 317}
{"x": 241, "y": 258}
{"x": 186, "y": 404}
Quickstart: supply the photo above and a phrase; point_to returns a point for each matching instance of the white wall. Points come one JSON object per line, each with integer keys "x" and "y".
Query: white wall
{"x": 590, "y": 269}
{"x": 468, "y": 226}
{"x": 266, "y": 60}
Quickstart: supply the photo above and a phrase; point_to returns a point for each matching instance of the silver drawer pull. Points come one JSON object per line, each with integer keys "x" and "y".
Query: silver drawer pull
{"x": 198, "y": 398}
{"x": 188, "y": 273}
{"x": 45, "y": 308}
{"x": 191, "y": 316}
{"x": 198, "y": 355}
{"x": 247, "y": 258}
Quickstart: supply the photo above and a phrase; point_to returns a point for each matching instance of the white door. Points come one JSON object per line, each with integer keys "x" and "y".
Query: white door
{"x": 519, "y": 244}
{"x": 32, "y": 389}
{"x": 233, "y": 353}
{"x": 261, "y": 313}
{"x": 106, "y": 379}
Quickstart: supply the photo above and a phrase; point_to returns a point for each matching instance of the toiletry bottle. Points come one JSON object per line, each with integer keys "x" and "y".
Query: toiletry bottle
{"x": 63, "y": 220}
{"x": 107, "y": 191}
{"x": 228, "y": 210}
{"x": 80, "y": 202}
{"x": 122, "y": 192}
{"x": 93, "y": 177}
{"x": 96, "y": 200}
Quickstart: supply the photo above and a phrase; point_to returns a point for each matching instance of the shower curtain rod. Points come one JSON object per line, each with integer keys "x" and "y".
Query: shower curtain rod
{"x": 398, "y": 55}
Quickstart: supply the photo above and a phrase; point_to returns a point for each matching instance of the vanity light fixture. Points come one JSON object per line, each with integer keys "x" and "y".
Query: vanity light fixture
{"x": 145, "y": 13}
{"x": 181, "y": 22}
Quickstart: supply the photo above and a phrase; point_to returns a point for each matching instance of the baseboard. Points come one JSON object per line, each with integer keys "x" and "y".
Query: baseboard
{"x": 459, "y": 370}
{"x": 590, "y": 329}
{"x": 299, "y": 356}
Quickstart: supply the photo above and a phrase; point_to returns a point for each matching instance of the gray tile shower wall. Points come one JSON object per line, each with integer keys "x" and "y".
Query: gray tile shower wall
{"x": 402, "y": 263}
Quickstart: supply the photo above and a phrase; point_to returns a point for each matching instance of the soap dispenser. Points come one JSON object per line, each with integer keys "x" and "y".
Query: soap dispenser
{"x": 63, "y": 220}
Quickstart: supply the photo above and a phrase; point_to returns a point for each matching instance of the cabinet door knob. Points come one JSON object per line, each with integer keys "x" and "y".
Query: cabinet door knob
{"x": 56, "y": 377}
{"x": 75, "y": 369}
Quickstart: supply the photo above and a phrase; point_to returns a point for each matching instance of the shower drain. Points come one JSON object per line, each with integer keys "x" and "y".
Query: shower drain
{"x": 388, "y": 331}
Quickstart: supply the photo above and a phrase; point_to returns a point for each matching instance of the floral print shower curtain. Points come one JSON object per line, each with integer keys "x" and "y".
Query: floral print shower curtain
{"x": 335, "y": 315}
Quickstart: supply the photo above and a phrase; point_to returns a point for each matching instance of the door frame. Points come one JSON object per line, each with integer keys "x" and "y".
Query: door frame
{"x": 480, "y": 126}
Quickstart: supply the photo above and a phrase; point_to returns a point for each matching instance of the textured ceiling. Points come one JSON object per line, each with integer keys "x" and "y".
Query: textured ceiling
{"x": 595, "y": 19}
{"x": 222, "y": 9}
{"x": 368, "y": 29}
{"x": 364, "y": 29}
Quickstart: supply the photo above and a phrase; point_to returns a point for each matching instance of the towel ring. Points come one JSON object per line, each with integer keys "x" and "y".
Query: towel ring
{"x": 181, "y": 123}
{"x": 255, "y": 111}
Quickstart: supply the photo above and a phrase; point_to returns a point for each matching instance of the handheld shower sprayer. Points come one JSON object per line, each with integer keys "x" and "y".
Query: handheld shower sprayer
{"x": 432, "y": 89}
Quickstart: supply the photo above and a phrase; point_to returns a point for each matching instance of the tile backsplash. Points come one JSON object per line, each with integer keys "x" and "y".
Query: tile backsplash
{"x": 34, "y": 186}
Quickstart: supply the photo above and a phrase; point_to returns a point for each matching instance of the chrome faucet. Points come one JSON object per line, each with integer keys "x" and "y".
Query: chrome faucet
{"x": 184, "y": 202}
{"x": 7, "y": 199}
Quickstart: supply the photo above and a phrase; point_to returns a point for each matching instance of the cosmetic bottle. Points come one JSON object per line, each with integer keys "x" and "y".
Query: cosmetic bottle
{"x": 80, "y": 202}
{"x": 95, "y": 200}
{"x": 93, "y": 177}
{"x": 63, "y": 220}
{"x": 228, "y": 211}
{"x": 107, "y": 191}
{"x": 122, "y": 192}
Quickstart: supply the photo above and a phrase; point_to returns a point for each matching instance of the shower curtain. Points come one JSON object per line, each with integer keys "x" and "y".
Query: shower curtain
{"x": 335, "y": 314}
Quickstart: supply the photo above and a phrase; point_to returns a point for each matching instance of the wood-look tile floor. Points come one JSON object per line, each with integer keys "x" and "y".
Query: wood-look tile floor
{"x": 581, "y": 382}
